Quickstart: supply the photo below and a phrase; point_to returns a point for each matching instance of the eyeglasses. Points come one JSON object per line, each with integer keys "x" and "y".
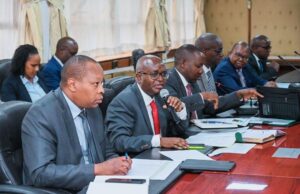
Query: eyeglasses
{"x": 241, "y": 57}
{"x": 156, "y": 74}
{"x": 218, "y": 51}
{"x": 266, "y": 47}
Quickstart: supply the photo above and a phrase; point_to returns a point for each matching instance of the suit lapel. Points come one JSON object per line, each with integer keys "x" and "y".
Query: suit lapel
{"x": 179, "y": 83}
{"x": 142, "y": 106}
{"x": 68, "y": 122}
{"x": 23, "y": 91}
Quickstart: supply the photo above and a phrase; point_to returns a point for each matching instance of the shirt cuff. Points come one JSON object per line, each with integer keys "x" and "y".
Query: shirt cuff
{"x": 155, "y": 142}
{"x": 182, "y": 114}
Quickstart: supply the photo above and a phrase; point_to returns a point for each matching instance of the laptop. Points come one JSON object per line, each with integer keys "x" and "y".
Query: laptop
{"x": 282, "y": 103}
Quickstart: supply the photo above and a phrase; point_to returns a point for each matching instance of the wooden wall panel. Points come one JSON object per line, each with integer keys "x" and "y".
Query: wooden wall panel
{"x": 278, "y": 19}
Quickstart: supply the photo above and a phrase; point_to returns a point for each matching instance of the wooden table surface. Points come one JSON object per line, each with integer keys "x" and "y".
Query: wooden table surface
{"x": 281, "y": 175}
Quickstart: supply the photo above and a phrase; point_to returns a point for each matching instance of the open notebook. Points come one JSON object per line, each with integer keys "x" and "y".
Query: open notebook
{"x": 261, "y": 136}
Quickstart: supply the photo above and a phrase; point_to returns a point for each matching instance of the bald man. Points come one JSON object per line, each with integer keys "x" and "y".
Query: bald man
{"x": 136, "y": 119}
{"x": 63, "y": 139}
{"x": 66, "y": 48}
{"x": 233, "y": 72}
{"x": 260, "y": 47}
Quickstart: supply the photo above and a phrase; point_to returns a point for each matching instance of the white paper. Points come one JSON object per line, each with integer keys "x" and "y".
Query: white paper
{"x": 220, "y": 139}
{"x": 152, "y": 169}
{"x": 213, "y": 123}
{"x": 287, "y": 153}
{"x": 100, "y": 186}
{"x": 237, "y": 148}
{"x": 182, "y": 155}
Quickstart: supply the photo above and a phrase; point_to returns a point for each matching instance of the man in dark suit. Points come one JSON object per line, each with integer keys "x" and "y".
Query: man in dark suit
{"x": 211, "y": 46}
{"x": 260, "y": 50}
{"x": 66, "y": 48}
{"x": 234, "y": 74}
{"x": 137, "y": 118}
{"x": 182, "y": 82}
{"x": 64, "y": 144}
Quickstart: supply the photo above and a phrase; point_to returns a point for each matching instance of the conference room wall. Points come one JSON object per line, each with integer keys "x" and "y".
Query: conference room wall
{"x": 280, "y": 20}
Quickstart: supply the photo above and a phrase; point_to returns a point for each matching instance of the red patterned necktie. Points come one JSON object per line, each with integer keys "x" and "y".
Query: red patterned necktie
{"x": 189, "y": 93}
{"x": 155, "y": 117}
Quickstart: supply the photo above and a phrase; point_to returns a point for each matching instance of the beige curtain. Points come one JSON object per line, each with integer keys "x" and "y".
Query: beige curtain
{"x": 156, "y": 27}
{"x": 184, "y": 17}
{"x": 32, "y": 26}
{"x": 199, "y": 17}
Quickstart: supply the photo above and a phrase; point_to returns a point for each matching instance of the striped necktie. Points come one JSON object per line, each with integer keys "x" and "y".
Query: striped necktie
{"x": 210, "y": 82}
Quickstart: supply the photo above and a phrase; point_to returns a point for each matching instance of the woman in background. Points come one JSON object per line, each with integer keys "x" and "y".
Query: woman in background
{"x": 23, "y": 83}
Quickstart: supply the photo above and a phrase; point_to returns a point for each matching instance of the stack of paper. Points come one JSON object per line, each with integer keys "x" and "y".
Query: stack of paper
{"x": 222, "y": 139}
{"x": 261, "y": 136}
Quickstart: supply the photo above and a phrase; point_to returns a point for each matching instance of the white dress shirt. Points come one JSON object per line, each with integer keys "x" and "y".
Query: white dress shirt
{"x": 75, "y": 111}
{"x": 33, "y": 88}
{"x": 155, "y": 142}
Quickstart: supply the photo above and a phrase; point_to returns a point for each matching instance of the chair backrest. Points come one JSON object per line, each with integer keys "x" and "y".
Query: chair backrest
{"x": 112, "y": 88}
{"x": 119, "y": 83}
{"x": 11, "y": 154}
{"x": 4, "y": 70}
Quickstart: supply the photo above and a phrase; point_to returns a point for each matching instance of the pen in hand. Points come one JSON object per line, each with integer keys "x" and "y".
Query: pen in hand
{"x": 126, "y": 156}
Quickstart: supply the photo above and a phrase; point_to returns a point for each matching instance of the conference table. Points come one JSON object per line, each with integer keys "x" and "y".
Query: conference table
{"x": 255, "y": 172}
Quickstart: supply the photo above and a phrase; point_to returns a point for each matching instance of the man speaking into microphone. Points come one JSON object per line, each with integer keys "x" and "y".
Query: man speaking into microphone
{"x": 138, "y": 118}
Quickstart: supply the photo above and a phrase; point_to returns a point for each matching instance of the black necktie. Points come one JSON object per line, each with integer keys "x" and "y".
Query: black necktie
{"x": 90, "y": 145}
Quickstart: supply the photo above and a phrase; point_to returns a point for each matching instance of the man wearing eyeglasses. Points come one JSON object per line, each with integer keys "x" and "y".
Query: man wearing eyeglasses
{"x": 137, "y": 118}
{"x": 260, "y": 50}
{"x": 233, "y": 73}
{"x": 211, "y": 46}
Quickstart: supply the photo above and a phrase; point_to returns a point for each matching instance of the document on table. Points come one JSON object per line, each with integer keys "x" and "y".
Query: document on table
{"x": 152, "y": 169}
{"x": 271, "y": 121}
{"x": 287, "y": 153}
{"x": 220, "y": 139}
{"x": 181, "y": 155}
{"x": 100, "y": 186}
{"x": 237, "y": 148}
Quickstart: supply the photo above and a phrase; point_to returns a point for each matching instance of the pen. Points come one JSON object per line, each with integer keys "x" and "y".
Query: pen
{"x": 126, "y": 155}
{"x": 215, "y": 122}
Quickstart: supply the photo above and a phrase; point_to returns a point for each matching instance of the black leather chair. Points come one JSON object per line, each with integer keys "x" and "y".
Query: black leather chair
{"x": 11, "y": 155}
{"x": 112, "y": 88}
{"x": 4, "y": 70}
{"x": 119, "y": 83}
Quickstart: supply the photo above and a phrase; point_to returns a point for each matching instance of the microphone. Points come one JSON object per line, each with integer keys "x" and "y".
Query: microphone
{"x": 297, "y": 53}
{"x": 164, "y": 94}
{"x": 289, "y": 64}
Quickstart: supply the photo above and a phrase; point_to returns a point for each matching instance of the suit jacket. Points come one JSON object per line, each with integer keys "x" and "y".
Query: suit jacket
{"x": 226, "y": 102}
{"x": 268, "y": 73}
{"x": 51, "y": 74}
{"x": 194, "y": 102}
{"x": 14, "y": 89}
{"x": 226, "y": 74}
{"x": 128, "y": 124}
{"x": 51, "y": 149}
